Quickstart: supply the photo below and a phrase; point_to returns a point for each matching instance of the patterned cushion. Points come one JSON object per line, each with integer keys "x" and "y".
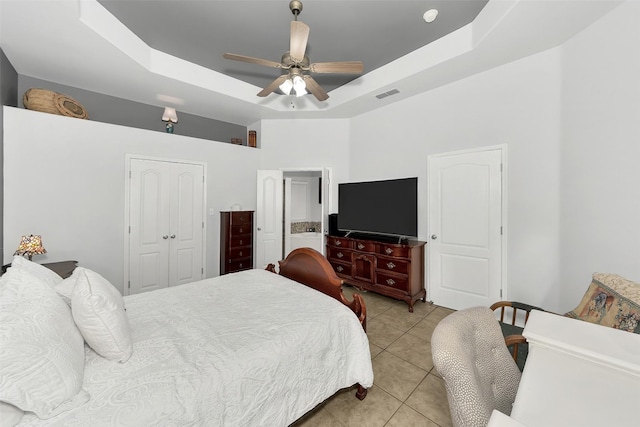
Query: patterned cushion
{"x": 480, "y": 375}
{"x": 611, "y": 301}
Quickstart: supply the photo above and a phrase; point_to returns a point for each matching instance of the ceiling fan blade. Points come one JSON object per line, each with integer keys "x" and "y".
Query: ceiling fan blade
{"x": 315, "y": 89}
{"x": 252, "y": 60}
{"x": 273, "y": 85}
{"x": 349, "y": 67}
{"x": 298, "y": 43}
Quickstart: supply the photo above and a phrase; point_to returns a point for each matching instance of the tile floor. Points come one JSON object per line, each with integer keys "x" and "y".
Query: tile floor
{"x": 407, "y": 390}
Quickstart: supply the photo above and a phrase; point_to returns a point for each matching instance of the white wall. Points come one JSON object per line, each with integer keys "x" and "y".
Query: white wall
{"x": 302, "y": 143}
{"x": 601, "y": 152}
{"x": 65, "y": 180}
{"x": 518, "y": 105}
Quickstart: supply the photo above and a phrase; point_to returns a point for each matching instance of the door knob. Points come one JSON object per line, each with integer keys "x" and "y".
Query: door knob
{"x": 259, "y": 228}
{"x": 173, "y": 236}
{"x": 434, "y": 237}
{"x": 165, "y": 236}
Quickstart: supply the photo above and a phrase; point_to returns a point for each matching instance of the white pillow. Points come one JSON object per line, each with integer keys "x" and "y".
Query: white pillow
{"x": 98, "y": 309}
{"x": 65, "y": 287}
{"x": 49, "y": 277}
{"x": 9, "y": 415}
{"x": 41, "y": 350}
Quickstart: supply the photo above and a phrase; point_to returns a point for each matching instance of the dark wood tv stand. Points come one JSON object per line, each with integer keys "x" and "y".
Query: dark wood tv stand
{"x": 392, "y": 269}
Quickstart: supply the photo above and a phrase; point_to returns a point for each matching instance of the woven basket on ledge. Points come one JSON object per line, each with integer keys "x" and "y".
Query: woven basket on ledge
{"x": 48, "y": 101}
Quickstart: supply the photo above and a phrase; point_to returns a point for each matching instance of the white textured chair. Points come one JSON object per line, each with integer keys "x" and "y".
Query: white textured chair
{"x": 480, "y": 375}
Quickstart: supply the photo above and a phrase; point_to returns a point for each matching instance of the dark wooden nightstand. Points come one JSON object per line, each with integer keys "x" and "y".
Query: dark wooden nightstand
{"x": 62, "y": 268}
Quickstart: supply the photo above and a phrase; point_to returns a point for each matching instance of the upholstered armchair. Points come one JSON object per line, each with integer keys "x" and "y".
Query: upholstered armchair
{"x": 480, "y": 375}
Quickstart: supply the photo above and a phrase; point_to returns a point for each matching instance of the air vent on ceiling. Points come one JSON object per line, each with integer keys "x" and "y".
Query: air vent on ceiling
{"x": 389, "y": 93}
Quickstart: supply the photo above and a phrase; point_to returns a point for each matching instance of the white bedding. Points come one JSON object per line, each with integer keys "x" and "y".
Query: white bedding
{"x": 244, "y": 349}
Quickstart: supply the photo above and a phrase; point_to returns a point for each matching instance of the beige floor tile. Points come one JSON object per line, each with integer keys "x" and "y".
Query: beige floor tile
{"x": 374, "y": 411}
{"x": 425, "y": 327}
{"x": 376, "y": 304}
{"x": 423, "y": 308}
{"x": 319, "y": 417}
{"x": 430, "y": 399}
{"x": 413, "y": 349}
{"x": 400, "y": 317}
{"x": 374, "y": 350}
{"x": 397, "y": 377}
{"x": 407, "y": 417}
{"x": 381, "y": 334}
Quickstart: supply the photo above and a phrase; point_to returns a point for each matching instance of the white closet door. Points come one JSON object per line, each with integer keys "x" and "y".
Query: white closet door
{"x": 166, "y": 234}
{"x": 149, "y": 225}
{"x": 186, "y": 223}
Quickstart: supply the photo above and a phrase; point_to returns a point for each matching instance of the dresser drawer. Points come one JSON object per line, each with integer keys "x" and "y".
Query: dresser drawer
{"x": 339, "y": 242}
{"x": 365, "y": 246}
{"x": 392, "y": 264}
{"x": 242, "y": 252}
{"x": 241, "y": 217}
{"x": 341, "y": 268}
{"x": 394, "y": 250}
{"x": 392, "y": 281}
{"x": 237, "y": 230}
{"x": 241, "y": 240}
{"x": 244, "y": 264}
{"x": 339, "y": 254}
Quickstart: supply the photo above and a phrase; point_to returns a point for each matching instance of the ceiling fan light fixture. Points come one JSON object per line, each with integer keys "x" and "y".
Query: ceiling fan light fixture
{"x": 286, "y": 87}
{"x": 299, "y": 86}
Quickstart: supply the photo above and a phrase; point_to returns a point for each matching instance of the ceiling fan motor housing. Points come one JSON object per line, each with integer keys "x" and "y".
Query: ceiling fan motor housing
{"x": 296, "y": 7}
{"x": 288, "y": 62}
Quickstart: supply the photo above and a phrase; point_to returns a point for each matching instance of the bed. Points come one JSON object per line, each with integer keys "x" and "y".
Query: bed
{"x": 244, "y": 349}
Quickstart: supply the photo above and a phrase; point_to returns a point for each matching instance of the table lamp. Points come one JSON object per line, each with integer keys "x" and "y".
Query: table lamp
{"x": 30, "y": 245}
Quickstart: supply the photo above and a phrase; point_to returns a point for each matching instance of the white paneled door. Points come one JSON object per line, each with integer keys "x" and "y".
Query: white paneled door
{"x": 465, "y": 228}
{"x": 269, "y": 216}
{"x": 166, "y": 229}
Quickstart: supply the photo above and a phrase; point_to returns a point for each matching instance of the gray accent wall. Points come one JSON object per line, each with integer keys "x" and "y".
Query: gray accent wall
{"x": 8, "y": 96}
{"x": 110, "y": 109}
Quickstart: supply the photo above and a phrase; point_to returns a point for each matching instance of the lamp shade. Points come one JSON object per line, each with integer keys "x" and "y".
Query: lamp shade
{"x": 30, "y": 245}
{"x": 286, "y": 86}
{"x": 170, "y": 115}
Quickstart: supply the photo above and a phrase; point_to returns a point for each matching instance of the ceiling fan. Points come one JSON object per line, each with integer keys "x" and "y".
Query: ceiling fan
{"x": 297, "y": 63}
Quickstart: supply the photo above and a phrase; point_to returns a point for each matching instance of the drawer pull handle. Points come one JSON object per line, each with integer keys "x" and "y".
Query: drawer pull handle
{"x": 339, "y": 254}
{"x": 388, "y": 251}
{"x": 337, "y": 242}
{"x": 240, "y": 265}
{"x": 241, "y": 229}
{"x": 240, "y": 254}
{"x": 391, "y": 282}
{"x": 339, "y": 269}
{"x": 240, "y": 241}
{"x": 360, "y": 246}
{"x": 390, "y": 265}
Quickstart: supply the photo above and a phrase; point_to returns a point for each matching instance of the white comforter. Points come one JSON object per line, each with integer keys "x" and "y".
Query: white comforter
{"x": 245, "y": 349}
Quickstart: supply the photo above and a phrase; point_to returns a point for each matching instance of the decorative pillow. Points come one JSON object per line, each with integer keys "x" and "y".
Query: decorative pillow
{"x": 41, "y": 350}
{"x": 43, "y": 273}
{"x": 9, "y": 415}
{"x": 611, "y": 301}
{"x": 98, "y": 309}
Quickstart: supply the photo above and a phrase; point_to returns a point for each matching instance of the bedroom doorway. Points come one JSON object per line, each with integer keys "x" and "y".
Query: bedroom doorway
{"x": 288, "y": 201}
{"x": 165, "y": 224}
{"x": 467, "y": 237}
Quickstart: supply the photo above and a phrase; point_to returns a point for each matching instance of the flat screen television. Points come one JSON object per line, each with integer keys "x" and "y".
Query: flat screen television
{"x": 388, "y": 207}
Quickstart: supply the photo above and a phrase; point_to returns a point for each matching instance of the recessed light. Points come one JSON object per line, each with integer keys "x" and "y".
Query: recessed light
{"x": 430, "y": 15}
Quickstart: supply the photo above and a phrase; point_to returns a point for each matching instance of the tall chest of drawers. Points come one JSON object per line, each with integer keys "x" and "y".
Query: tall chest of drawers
{"x": 392, "y": 269}
{"x": 236, "y": 241}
